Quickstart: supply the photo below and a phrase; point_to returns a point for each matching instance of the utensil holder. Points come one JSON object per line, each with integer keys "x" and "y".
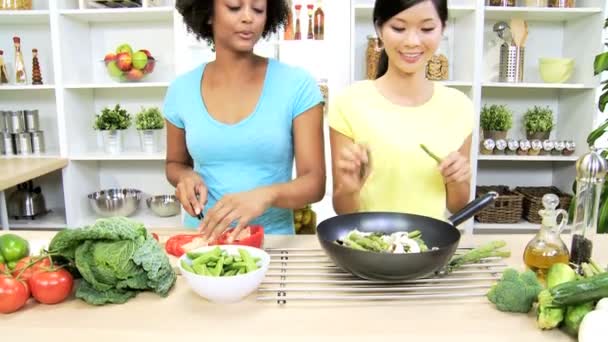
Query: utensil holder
{"x": 511, "y": 63}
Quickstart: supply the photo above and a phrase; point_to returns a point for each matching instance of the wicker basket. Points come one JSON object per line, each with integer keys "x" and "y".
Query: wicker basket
{"x": 507, "y": 208}
{"x": 533, "y": 200}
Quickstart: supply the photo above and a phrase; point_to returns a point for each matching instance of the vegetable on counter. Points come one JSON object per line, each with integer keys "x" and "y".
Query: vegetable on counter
{"x": 593, "y": 327}
{"x": 14, "y": 293}
{"x": 515, "y": 292}
{"x": 550, "y": 316}
{"x": 489, "y": 250}
{"x": 218, "y": 263}
{"x": 12, "y": 249}
{"x": 117, "y": 258}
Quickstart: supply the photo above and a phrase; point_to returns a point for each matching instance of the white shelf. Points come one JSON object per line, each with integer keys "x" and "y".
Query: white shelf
{"x": 454, "y": 11}
{"x": 538, "y": 13}
{"x": 54, "y": 219}
{"x": 456, "y": 83}
{"x": 32, "y": 156}
{"x": 119, "y": 15}
{"x": 27, "y": 87}
{"x": 24, "y": 17}
{"x": 525, "y": 85}
{"x": 523, "y": 225}
{"x": 118, "y": 85}
{"x": 529, "y": 158}
{"x": 127, "y": 155}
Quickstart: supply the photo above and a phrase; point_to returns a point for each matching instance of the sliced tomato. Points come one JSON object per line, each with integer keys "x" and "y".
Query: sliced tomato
{"x": 174, "y": 245}
{"x": 251, "y": 236}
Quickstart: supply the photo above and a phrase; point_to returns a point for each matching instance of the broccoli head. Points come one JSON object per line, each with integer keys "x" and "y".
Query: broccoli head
{"x": 515, "y": 292}
{"x": 549, "y": 316}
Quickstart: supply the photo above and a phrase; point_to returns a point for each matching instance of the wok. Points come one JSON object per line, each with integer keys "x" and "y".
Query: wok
{"x": 394, "y": 267}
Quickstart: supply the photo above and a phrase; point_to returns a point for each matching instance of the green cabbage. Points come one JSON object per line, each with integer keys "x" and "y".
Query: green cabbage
{"x": 117, "y": 258}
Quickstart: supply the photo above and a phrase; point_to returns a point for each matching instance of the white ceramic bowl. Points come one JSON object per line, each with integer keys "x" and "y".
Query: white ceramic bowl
{"x": 227, "y": 289}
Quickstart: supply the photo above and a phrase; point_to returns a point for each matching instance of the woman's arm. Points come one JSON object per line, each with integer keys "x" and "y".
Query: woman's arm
{"x": 179, "y": 171}
{"x": 309, "y": 185}
{"x": 458, "y": 182}
{"x": 345, "y": 193}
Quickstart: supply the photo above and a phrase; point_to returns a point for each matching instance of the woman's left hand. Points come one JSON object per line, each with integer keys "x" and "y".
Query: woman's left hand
{"x": 455, "y": 168}
{"x": 241, "y": 207}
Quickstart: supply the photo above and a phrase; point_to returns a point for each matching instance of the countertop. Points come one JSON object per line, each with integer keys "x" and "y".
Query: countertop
{"x": 18, "y": 170}
{"x": 183, "y": 316}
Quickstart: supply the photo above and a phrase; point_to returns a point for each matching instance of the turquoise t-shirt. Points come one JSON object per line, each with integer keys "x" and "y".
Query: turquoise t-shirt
{"x": 254, "y": 152}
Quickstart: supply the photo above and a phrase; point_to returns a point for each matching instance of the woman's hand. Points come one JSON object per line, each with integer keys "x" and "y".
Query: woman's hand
{"x": 241, "y": 207}
{"x": 455, "y": 168}
{"x": 353, "y": 168}
{"x": 188, "y": 188}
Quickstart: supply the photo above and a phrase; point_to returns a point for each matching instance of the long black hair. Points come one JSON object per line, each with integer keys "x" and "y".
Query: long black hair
{"x": 384, "y": 10}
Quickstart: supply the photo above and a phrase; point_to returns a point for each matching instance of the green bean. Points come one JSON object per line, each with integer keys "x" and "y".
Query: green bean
{"x": 187, "y": 267}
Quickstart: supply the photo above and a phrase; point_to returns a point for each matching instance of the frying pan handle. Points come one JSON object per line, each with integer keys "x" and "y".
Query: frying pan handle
{"x": 473, "y": 208}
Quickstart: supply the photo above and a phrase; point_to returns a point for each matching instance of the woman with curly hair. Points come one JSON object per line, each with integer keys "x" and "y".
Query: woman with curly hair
{"x": 235, "y": 124}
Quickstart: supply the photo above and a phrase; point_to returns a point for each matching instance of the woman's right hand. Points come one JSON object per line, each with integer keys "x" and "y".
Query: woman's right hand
{"x": 353, "y": 166}
{"x": 188, "y": 187}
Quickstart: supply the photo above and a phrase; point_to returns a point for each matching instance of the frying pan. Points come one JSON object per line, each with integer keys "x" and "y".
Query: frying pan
{"x": 394, "y": 267}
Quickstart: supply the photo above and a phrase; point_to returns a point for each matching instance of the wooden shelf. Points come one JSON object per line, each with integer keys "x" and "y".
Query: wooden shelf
{"x": 24, "y": 17}
{"x": 121, "y": 15}
{"x": 539, "y": 13}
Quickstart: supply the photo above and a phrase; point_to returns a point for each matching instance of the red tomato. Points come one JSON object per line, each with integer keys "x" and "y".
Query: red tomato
{"x": 13, "y": 294}
{"x": 175, "y": 243}
{"x": 51, "y": 287}
{"x": 251, "y": 236}
{"x": 2, "y": 268}
{"x": 40, "y": 265}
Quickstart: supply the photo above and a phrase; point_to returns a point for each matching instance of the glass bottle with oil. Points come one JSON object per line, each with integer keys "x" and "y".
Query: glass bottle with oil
{"x": 547, "y": 247}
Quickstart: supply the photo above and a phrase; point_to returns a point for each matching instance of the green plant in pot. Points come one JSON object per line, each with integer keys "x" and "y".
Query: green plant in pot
{"x": 150, "y": 123}
{"x": 600, "y": 65}
{"x": 112, "y": 122}
{"x": 538, "y": 122}
{"x": 495, "y": 121}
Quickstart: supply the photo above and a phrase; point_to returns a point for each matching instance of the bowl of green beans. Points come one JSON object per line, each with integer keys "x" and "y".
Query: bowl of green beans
{"x": 224, "y": 273}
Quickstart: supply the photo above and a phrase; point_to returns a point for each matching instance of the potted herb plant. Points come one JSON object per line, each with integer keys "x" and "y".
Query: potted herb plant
{"x": 112, "y": 122}
{"x": 538, "y": 122}
{"x": 149, "y": 122}
{"x": 495, "y": 121}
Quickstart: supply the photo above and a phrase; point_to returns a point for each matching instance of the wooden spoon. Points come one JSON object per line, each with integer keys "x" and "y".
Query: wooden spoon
{"x": 519, "y": 30}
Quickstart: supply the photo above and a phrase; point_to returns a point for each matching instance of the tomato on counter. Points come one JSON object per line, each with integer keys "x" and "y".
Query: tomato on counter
{"x": 32, "y": 265}
{"x": 51, "y": 286}
{"x": 14, "y": 294}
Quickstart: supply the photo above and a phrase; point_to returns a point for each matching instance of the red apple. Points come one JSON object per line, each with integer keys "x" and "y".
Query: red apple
{"x": 135, "y": 75}
{"x": 150, "y": 65}
{"x": 124, "y": 60}
{"x": 109, "y": 58}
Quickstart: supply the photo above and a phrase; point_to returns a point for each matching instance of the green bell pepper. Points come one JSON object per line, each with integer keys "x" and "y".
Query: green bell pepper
{"x": 13, "y": 248}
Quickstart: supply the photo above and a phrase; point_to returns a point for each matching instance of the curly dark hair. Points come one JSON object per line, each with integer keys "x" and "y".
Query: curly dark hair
{"x": 197, "y": 14}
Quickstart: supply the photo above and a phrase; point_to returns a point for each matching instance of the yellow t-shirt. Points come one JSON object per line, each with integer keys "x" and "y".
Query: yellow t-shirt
{"x": 403, "y": 177}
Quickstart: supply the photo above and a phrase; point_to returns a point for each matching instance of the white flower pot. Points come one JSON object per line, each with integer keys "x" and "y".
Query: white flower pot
{"x": 150, "y": 140}
{"x": 113, "y": 141}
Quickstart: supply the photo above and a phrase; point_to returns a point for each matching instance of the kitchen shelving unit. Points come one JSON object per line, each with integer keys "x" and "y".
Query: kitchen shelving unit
{"x": 72, "y": 43}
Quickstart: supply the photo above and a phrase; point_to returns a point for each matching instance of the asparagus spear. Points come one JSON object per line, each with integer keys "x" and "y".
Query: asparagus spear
{"x": 488, "y": 250}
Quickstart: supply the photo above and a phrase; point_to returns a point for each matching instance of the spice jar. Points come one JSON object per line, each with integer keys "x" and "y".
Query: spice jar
{"x": 524, "y": 147}
{"x": 16, "y": 4}
{"x": 372, "y": 56}
{"x": 591, "y": 171}
{"x": 536, "y": 147}
{"x": 487, "y": 147}
{"x": 558, "y": 148}
{"x": 508, "y": 3}
{"x": 501, "y": 146}
{"x": 570, "y": 147}
{"x": 512, "y": 146}
{"x": 562, "y": 3}
{"x": 547, "y": 147}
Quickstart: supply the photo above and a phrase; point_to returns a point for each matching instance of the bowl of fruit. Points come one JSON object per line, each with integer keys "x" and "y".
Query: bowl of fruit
{"x": 126, "y": 65}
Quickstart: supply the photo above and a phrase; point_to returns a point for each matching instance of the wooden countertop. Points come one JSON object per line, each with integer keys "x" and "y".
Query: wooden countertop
{"x": 185, "y": 316}
{"x": 19, "y": 170}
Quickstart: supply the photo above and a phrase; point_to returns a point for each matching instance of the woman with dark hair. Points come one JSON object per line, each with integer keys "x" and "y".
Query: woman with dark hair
{"x": 234, "y": 125}
{"x": 377, "y": 126}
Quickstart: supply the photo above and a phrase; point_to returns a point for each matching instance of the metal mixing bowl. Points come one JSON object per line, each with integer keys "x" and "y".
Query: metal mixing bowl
{"x": 115, "y": 202}
{"x": 164, "y": 205}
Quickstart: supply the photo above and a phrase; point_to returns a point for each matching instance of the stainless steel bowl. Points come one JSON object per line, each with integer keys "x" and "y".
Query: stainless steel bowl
{"x": 164, "y": 205}
{"x": 115, "y": 202}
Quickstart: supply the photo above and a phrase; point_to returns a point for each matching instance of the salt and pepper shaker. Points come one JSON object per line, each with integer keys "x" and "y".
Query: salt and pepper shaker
{"x": 591, "y": 171}
{"x": 524, "y": 147}
{"x": 487, "y": 146}
{"x": 512, "y": 147}
{"x": 537, "y": 146}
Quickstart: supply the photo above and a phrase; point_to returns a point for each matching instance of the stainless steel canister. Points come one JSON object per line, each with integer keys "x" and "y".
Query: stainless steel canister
{"x": 24, "y": 143}
{"x": 17, "y": 122}
{"x": 32, "y": 122}
{"x": 9, "y": 146}
{"x": 37, "y": 141}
